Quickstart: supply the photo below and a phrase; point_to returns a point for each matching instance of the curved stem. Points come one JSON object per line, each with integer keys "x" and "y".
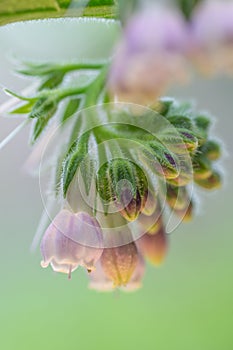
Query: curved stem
{"x": 13, "y": 134}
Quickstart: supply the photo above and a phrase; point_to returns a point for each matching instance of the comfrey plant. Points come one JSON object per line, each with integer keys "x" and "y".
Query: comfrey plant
{"x": 119, "y": 159}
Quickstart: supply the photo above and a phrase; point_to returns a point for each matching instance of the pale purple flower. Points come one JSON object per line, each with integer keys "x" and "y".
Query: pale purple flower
{"x": 63, "y": 245}
{"x": 99, "y": 281}
{"x": 150, "y": 57}
{"x": 135, "y": 281}
{"x": 119, "y": 263}
{"x": 211, "y": 29}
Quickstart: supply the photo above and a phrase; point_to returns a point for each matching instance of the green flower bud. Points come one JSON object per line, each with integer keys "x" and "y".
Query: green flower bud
{"x": 150, "y": 205}
{"x": 177, "y": 198}
{"x": 202, "y": 124}
{"x": 163, "y": 161}
{"x": 202, "y": 167}
{"x": 184, "y": 177}
{"x": 124, "y": 183}
{"x": 212, "y": 182}
{"x": 186, "y": 214}
{"x": 211, "y": 150}
{"x": 190, "y": 141}
{"x": 150, "y": 224}
{"x": 181, "y": 122}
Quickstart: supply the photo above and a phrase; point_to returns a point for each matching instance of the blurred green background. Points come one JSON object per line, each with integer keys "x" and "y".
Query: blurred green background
{"x": 187, "y": 304}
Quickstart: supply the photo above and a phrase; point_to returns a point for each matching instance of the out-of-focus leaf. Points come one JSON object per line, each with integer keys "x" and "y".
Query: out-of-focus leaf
{"x": 22, "y": 98}
{"x": 23, "y": 109}
{"x": 43, "y": 110}
{"x": 52, "y": 81}
{"x": 15, "y": 10}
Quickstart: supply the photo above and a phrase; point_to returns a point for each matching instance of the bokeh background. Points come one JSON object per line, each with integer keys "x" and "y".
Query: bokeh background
{"x": 186, "y": 304}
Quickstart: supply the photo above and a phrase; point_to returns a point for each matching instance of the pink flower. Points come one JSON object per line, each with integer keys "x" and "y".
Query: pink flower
{"x": 99, "y": 281}
{"x": 119, "y": 263}
{"x": 153, "y": 247}
{"x": 136, "y": 280}
{"x": 150, "y": 57}
{"x": 63, "y": 245}
{"x": 212, "y": 36}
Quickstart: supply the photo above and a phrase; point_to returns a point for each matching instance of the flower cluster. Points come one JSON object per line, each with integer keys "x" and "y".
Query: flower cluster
{"x": 121, "y": 175}
{"x": 127, "y": 226}
{"x": 65, "y": 246}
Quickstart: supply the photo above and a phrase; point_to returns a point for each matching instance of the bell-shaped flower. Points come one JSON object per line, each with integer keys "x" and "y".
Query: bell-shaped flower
{"x": 119, "y": 263}
{"x": 150, "y": 57}
{"x": 72, "y": 240}
{"x": 211, "y": 44}
{"x": 99, "y": 281}
{"x": 153, "y": 247}
{"x": 135, "y": 281}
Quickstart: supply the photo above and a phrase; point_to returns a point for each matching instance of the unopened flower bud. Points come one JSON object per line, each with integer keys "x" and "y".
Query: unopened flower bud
{"x": 177, "y": 197}
{"x": 202, "y": 168}
{"x": 186, "y": 214}
{"x": 211, "y": 150}
{"x": 149, "y": 224}
{"x": 163, "y": 162}
{"x": 190, "y": 141}
{"x": 129, "y": 206}
{"x": 185, "y": 175}
{"x": 72, "y": 240}
{"x": 126, "y": 185}
{"x": 150, "y": 205}
{"x": 212, "y": 182}
{"x": 119, "y": 263}
{"x": 153, "y": 247}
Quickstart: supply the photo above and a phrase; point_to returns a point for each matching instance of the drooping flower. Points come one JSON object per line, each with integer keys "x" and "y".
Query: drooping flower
{"x": 153, "y": 247}
{"x": 150, "y": 57}
{"x": 63, "y": 245}
{"x": 119, "y": 263}
{"x": 100, "y": 281}
{"x": 211, "y": 44}
{"x": 136, "y": 280}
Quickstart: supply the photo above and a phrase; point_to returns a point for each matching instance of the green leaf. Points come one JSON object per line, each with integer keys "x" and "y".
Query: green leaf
{"x": 104, "y": 184}
{"x": 42, "y": 107}
{"x": 22, "y": 98}
{"x": 23, "y": 10}
{"x": 71, "y": 108}
{"x": 87, "y": 168}
{"x": 23, "y": 109}
{"x": 74, "y": 157}
{"x": 52, "y": 81}
{"x": 43, "y": 110}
